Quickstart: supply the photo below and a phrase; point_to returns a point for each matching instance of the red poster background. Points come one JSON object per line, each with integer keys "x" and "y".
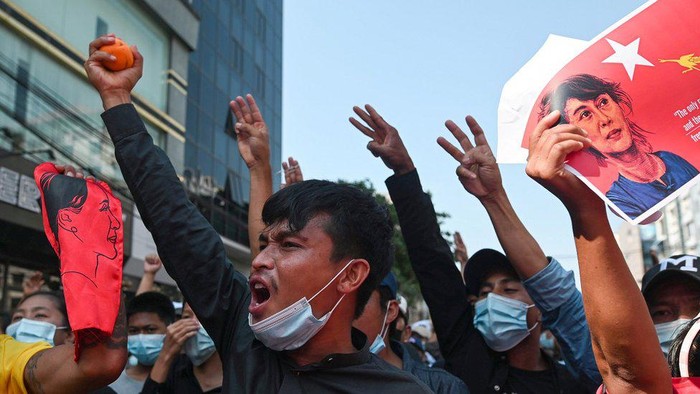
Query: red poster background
{"x": 667, "y": 30}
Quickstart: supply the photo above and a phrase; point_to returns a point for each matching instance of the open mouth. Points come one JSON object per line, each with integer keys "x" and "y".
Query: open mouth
{"x": 259, "y": 295}
{"x": 615, "y": 134}
{"x": 112, "y": 239}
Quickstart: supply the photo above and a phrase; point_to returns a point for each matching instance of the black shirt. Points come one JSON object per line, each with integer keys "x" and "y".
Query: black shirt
{"x": 194, "y": 255}
{"x": 180, "y": 380}
{"x": 466, "y": 354}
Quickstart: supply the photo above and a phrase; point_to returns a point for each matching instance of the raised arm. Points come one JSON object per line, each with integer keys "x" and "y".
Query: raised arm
{"x": 552, "y": 289}
{"x": 254, "y": 147}
{"x": 151, "y": 266}
{"x": 624, "y": 340}
{"x": 54, "y": 371}
{"x": 480, "y": 176}
{"x": 430, "y": 255}
{"x": 191, "y": 250}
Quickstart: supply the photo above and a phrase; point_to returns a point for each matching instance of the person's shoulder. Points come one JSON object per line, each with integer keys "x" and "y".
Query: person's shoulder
{"x": 409, "y": 383}
{"x": 439, "y": 379}
{"x": 12, "y": 350}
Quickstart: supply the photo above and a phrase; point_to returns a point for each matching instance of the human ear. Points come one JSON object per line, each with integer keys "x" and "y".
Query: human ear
{"x": 392, "y": 311}
{"x": 354, "y": 276}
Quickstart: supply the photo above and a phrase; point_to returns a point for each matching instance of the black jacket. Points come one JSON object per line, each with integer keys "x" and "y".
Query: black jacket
{"x": 194, "y": 255}
{"x": 466, "y": 354}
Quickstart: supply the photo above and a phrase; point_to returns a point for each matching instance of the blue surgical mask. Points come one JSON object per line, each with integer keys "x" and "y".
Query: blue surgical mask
{"x": 378, "y": 344}
{"x": 200, "y": 347}
{"x": 502, "y": 321}
{"x": 546, "y": 343}
{"x": 667, "y": 332}
{"x": 31, "y": 331}
{"x": 146, "y": 347}
{"x": 294, "y": 325}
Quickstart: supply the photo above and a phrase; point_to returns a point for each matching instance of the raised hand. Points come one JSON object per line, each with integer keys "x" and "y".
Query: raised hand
{"x": 114, "y": 87}
{"x": 461, "y": 254}
{"x": 386, "y": 142}
{"x": 549, "y": 147}
{"x": 292, "y": 172}
{"x": 33, "y": 283}
{"x": 251, "y": 132}
{"x": 477, "y": 171}
{"x": 152, "y": 264}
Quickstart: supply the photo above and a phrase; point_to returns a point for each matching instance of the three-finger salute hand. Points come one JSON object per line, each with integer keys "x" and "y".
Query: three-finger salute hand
{"x": 251, "y": 132}
{"x": 477, "y": 171}
{"x": 386, "y": 142}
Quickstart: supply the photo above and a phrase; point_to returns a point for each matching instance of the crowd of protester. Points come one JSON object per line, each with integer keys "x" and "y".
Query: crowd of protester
{"x": 322, "y": 311}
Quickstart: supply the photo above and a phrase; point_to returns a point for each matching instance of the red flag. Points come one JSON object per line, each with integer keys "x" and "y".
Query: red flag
{"x": 83, "y": 222}
{"x": 636, "y": 91}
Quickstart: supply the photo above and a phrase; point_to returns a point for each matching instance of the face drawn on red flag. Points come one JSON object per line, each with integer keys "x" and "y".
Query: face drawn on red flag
{"x": 636, "y": 92}
{"x": 83, "y": 222}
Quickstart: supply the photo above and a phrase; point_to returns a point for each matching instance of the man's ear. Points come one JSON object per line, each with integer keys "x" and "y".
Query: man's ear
{"x": 392, "y": 311}
{"x": 354, "y": 275}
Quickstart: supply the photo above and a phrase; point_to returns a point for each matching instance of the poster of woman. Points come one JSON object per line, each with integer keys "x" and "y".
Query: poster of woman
{"x": 636, "y": 92}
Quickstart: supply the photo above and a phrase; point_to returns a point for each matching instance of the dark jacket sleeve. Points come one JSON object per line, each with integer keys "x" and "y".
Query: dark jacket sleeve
{"x": 191, "y": 250}
{"x": 465, "y": 352}
{"x": 150, "y": 386}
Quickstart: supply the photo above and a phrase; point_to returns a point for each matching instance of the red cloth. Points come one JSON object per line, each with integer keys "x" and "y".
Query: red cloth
{"x": 83, "y": 222}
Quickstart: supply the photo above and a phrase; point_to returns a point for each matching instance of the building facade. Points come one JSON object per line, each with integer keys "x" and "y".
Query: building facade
{"x": 49, "y": 111}
{"x": 239, "y": 51}
{"x": 198, "y": 55}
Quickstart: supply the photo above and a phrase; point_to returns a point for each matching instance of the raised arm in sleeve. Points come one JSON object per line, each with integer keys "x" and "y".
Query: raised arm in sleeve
{"x": 191, "y": 250}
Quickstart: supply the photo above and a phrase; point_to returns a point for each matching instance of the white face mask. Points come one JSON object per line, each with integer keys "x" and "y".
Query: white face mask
{"x": 294, "y": 325}
{"x": 667, "y": 332}
{"x": 378, "y": 344}
{"x": 31, "y": 331}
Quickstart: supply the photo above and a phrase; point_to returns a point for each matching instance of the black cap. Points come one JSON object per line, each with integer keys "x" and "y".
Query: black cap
{"x": 482, "y": 264}
{"x": 680, "y": 264}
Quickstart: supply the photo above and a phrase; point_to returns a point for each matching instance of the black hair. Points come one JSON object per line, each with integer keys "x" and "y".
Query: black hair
{"x": 68, "y": 193}
{"x": 58, "y": 300}
{"x": 152, "y": 302}
{"x": 693, "y": 355}
{"x": 358, "y": 226}
{"x": 586, "y": 87}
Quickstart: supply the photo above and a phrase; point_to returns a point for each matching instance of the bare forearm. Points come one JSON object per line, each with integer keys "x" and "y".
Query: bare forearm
{"x": 146, "y": 283}
{"x": 627, "y": 350}
{"x": 260, "y": 191}
{"x": 521, "y": 248}
{"x": 159, "y": 373}
{"x": 54, "y": 371}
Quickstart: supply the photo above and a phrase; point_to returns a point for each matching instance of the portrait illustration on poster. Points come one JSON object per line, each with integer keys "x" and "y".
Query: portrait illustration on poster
{"x": 635, "y": 90}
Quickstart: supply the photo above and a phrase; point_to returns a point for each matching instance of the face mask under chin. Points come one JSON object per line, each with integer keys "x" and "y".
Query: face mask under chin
{"x": 293, "y": 326}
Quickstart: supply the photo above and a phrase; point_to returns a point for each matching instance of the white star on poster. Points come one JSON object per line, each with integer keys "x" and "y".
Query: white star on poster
{"x": 627, "y": 55}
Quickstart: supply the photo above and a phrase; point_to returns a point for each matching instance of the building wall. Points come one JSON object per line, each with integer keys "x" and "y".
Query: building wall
{"x": 49, "y": 111}
{"x": 239, "y": 51}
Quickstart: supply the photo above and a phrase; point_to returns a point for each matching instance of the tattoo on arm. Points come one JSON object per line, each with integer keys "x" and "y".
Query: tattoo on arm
{"x": 31, "y": 380}
{"x": 119, "y": 339}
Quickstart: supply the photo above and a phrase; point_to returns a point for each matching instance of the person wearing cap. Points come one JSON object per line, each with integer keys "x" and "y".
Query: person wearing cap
{"x": 474, "y": 348}
{"x": 378, "y": 322}
{"x": 671, "y": 290}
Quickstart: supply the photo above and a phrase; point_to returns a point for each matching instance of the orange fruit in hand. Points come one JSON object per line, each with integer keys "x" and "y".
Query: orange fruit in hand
{"x": 122, "y": 52}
